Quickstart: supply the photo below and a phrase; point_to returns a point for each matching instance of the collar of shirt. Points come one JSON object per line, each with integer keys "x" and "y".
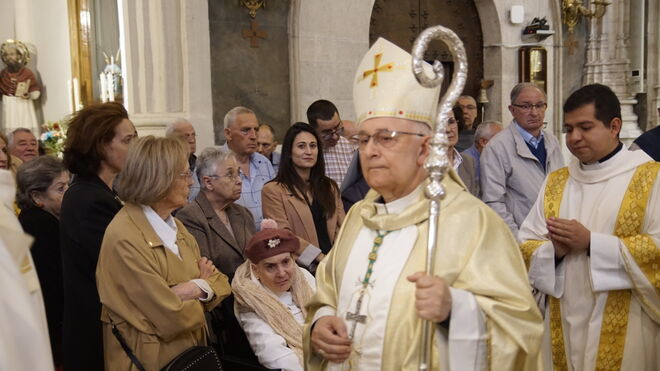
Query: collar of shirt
{"x": 397, "y": 206}
{"x": 529, "y": 138}
{"x": 458, "y": 159}
{"x": 611, "y": 154}
{"x": 165, "y": 229}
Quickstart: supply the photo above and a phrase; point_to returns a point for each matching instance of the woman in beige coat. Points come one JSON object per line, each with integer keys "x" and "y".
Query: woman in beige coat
{"x": 153, "y": 284}
{"x": 301, "y": 198}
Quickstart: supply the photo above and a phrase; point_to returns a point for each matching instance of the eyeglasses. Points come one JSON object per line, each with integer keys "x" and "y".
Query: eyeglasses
{"x": 186, "y": 174}
{"x": 230, "y": 175}
{"x": 384, "y": 138}
{"x": 328, "y": 134}
{"x": 468, "y": 106}
{"x": 528, "y": 106}
{"x": 452, "y": 122}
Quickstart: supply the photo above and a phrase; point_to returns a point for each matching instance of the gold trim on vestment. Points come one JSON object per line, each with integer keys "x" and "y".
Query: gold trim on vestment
{"x": 613, "y": 331}
{"x": 527, "y": 249}
{"x": 559, "y": 362}
{"x": 554, "y": 192}
{"x": 631, "y": 217}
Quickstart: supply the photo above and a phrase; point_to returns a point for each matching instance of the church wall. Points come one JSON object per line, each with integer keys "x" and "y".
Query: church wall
{"x": 242, "y": 75}
{"x": 50, "y": 29}
{"x": 6, "y": 20}
{"x": 167, "y": 65}
{"x": 327, "y": 41}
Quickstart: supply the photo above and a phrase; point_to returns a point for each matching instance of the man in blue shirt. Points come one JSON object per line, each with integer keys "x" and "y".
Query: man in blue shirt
{"x": 240, "y": 128}
{"x": 516, "y": 161}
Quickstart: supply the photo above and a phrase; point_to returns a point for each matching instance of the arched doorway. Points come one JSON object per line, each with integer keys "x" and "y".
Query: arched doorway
{"x": 401, "y": 22}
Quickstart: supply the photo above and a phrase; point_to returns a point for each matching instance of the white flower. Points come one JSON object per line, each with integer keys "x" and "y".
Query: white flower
{"x": 274, "y": 242}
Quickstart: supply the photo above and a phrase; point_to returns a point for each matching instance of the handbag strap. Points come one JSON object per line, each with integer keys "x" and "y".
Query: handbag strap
{"x": 125, "y": 346}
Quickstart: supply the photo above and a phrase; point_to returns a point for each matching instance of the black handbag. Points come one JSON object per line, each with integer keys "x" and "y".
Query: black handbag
{"x": 195, "y": 358}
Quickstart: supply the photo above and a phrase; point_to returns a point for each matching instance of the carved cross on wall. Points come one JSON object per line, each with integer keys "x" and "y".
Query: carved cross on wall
{"x": 571, "y": 44}
{"x": 254, "y": 34}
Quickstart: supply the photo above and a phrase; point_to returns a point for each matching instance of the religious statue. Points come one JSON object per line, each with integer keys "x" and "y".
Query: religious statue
{"x": 18, "y": 88}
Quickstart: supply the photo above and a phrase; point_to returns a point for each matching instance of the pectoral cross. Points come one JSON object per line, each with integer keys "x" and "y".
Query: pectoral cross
{"x": 254, "y": 34}
{"x": 356, "y": 317}
{"x": 377, "y": 68}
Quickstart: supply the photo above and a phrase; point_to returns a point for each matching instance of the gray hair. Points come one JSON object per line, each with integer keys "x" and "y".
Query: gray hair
{"x": 515, "y": 92}
{"x": 467, "y": 97}
{"x": 210, "y": 158}
{"x": 172, "y": 126}
{"x": 230, "y": 117}
{"x": 10, "y": 135}
{"x": 484, "y": 129}
{"x": 36, "y": 176}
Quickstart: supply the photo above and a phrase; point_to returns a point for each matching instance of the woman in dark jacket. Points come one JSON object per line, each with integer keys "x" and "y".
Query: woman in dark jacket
{"x": 95, "y": 151}
{"x": 41, "y": 185}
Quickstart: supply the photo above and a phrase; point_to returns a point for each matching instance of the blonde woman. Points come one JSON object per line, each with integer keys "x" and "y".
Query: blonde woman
{"x": 153, "y": 284}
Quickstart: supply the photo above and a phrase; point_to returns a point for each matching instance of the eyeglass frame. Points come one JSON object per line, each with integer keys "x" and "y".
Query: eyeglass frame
{"x": 230, "y": 177}
{"x": 186, "y": 174}
{"x": 329, "y": 133}
{"x": 529, "y": 106}
{"x": 393, "y": 134}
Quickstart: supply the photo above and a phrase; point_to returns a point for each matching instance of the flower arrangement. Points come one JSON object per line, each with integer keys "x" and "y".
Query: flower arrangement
{"x": 53, "y": 138}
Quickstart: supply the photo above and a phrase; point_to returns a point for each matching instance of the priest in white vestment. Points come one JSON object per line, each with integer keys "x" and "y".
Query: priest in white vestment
{"x": 591, "y": 245}
{"x": 372, "y": 294}
{"x": 24, "y": 343}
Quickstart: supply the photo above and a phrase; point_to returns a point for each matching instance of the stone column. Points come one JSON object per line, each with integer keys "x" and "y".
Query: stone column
{"x": 166, "y": 61}
{"x": 653, "y": 63}
{"x": 608, "y": 63}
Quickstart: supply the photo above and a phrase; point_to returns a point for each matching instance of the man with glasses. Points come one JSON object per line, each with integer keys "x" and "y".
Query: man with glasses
{"x": 372, "y": 293}
{"x": 337, "y": 150}
{"x": 182, "y": 128}
{"x": 241, "y": 127}
{"x": 516, "y": 161}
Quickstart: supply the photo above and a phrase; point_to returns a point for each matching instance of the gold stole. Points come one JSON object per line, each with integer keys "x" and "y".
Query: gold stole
{"x": 628, "y": 229}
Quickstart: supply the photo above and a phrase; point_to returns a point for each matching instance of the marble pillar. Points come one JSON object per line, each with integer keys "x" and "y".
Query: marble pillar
{"x": 608, "y": 63}
{"x": 166, "y": 61}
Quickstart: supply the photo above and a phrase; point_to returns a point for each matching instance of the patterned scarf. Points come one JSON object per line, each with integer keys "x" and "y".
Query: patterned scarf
{"x": 250, "y": 296}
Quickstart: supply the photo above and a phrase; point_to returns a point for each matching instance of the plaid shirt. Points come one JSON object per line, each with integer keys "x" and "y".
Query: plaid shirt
{"x": 337, "y": 159}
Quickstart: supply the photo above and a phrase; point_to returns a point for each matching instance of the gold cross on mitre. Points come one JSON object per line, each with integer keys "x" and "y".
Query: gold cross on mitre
{"x": 377, "y": 68}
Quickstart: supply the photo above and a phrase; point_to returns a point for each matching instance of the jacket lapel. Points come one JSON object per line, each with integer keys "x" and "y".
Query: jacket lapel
{"x": 521, "y": 146}
{"x": 216, "y": 225}
{"x": 304, "y": 214}
{"x": 241, "y": 233}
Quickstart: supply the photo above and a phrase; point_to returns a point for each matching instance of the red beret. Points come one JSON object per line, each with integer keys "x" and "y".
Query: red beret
{"x": 270, "y": 242}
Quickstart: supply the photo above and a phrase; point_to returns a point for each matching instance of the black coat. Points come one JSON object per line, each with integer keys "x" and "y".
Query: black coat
{"x": 87, "y": 208}
{"x": 45, "y": 228}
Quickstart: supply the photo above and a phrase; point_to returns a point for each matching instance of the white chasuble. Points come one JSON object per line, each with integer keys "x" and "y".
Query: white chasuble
{"x": 494, "y": 321}
{"x": 603, "y": 311}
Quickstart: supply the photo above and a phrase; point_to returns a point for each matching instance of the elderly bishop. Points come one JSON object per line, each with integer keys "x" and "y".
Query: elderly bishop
{"x": 371, "y": 292}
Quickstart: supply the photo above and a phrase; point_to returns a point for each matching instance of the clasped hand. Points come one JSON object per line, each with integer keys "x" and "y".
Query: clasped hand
{"x": 568, "y": 236}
